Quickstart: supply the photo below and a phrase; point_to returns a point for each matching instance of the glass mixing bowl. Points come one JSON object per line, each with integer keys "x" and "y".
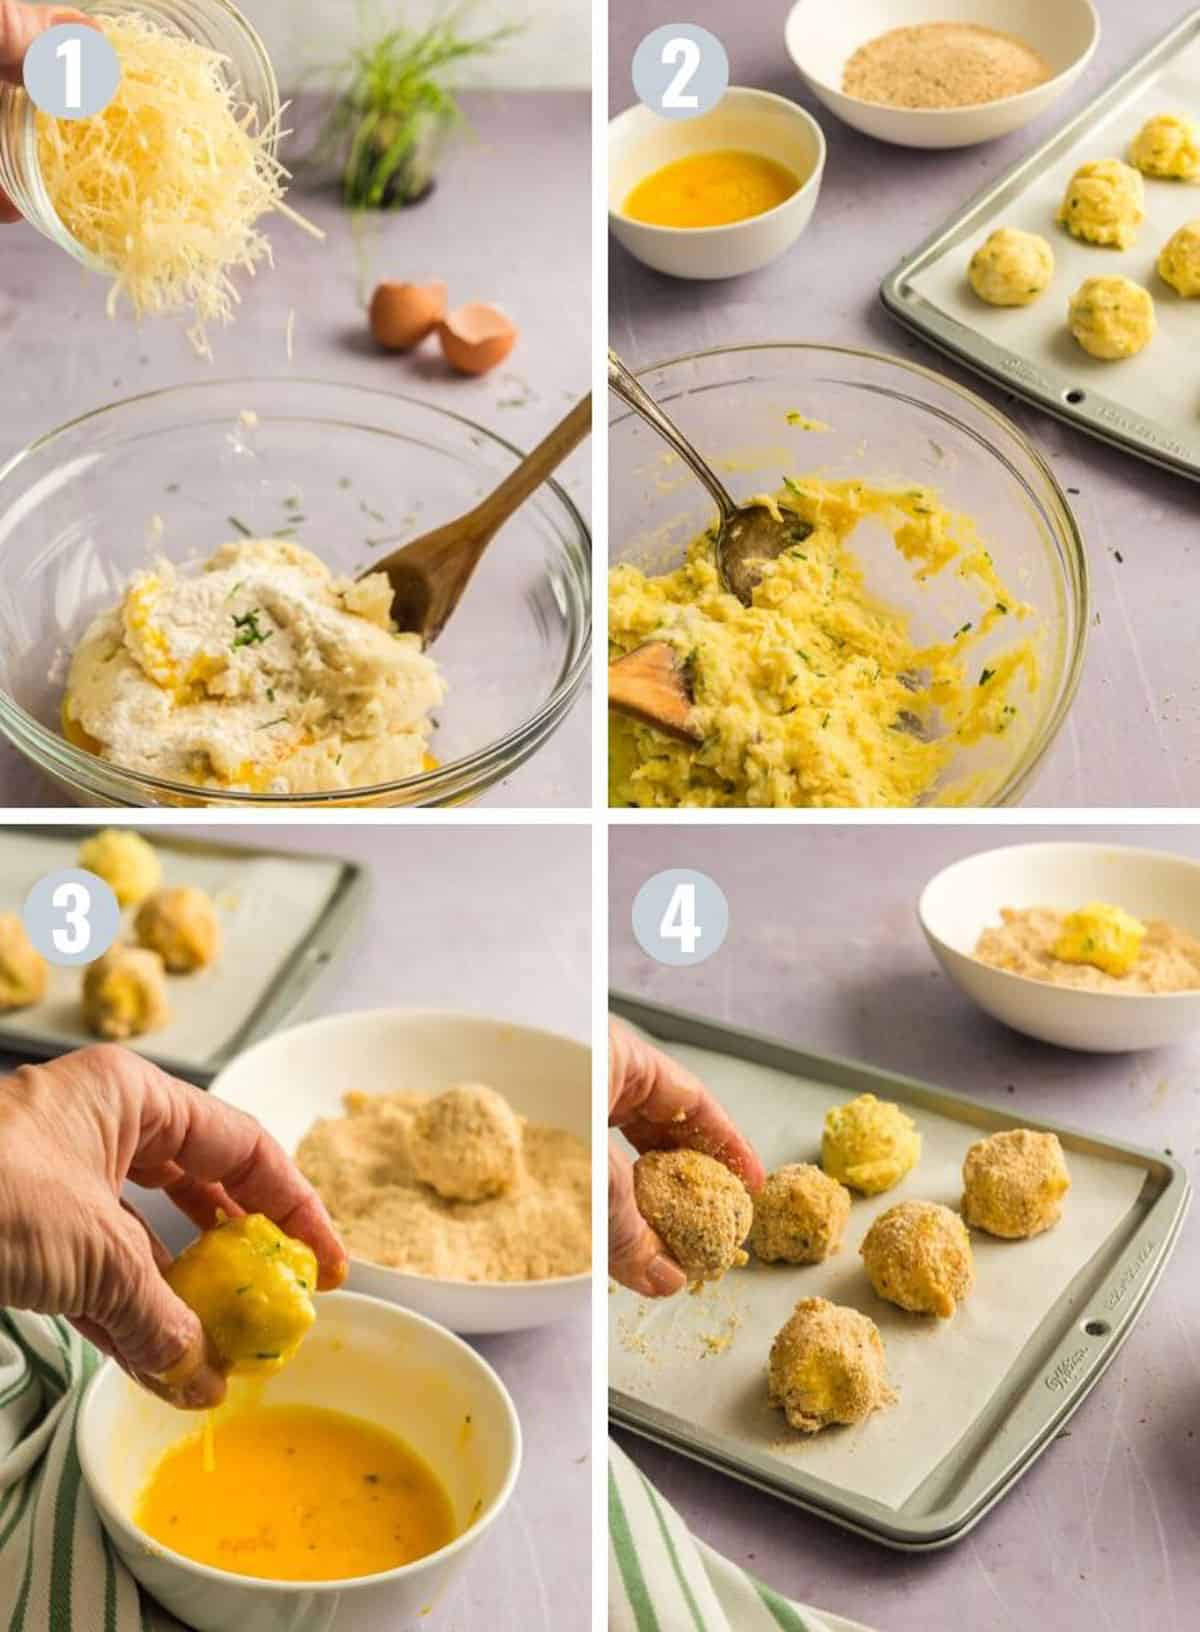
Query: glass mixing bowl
{"x": 180, "y": 471}
{"x": 890, "y": 424}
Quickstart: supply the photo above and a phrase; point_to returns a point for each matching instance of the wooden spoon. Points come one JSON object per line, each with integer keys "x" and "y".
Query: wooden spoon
{"x": 748, "y": 534}
{"x": 651, "y": 685}
{"x": 429, "y": 574}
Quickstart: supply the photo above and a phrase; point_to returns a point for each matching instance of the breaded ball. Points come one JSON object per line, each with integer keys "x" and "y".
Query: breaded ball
{"x": 23, "y": 970}
{"x": 799, "y": 1216}
{"x": 251, "y": 1285}
{"x": 125, "y": 993}
{"x": 180, "y": 924}
{"x": 1111, "y": 317}
{"x": 918, "y": 1255}
{"x": 869, "y": 1144}
{"x": 1168, "y": 146}
{"x": 1179, "y": 260}
{"x": 1105, "y": 203}
{"x": 124, "y": 860}
{"x": 1011, "y": 268}
{"x": 701, "y": 1210}
{"x": 827, "y": 1365}
{"x": 466, "y": 1143}
{"x": 1014, "y": 1183}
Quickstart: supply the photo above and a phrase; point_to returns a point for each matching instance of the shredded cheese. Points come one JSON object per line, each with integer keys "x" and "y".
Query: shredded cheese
{"x": 164, "y": 187}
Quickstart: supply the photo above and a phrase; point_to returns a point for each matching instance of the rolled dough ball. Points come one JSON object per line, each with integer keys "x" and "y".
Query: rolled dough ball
{"x": 1011, "y": 268}
{"x": 869, "y": 1144}
{"x": 124, "y": 860}
{"x": 125, "y": 993}
{"x": 181, "y": 925}
{"x": 827, "y": 1365}
{"x": 466, "y": 1143}
{"x": 702, "y": 1211}
{"x": 918, "y": 1255}
{"x": 799, "y": 1216}
{"x": 1014, "y": 1183}
{"x": 1179, "y": 260}
{"x": 23, "y": 969}
{"x": 1111, "y": 318}
{"x": 1167, "y": 146}
{"x": 1105, "y": 203}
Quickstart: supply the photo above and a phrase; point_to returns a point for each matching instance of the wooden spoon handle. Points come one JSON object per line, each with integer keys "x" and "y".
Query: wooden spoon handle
{"x": 533, "y": 469}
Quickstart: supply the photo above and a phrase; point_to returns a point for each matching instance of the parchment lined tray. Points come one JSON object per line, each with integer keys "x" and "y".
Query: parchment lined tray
{"x": 980, "y": 1395}
{"x": 1149, "y": 404}
{"x": 282, "y": 917}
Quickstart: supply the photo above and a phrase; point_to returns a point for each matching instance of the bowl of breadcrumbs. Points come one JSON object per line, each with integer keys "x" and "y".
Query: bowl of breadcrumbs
{"x": 452, "y": 1151}
{"x": 905, "y": 72}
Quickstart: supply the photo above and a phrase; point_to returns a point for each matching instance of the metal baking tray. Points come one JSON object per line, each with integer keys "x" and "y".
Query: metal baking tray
{"x": 1147, "y": 405}
{"x": 1067, "y": 1355}
{"x": 286, "y": 925}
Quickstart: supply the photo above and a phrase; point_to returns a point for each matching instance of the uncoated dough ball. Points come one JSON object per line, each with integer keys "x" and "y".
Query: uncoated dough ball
{"x": 125, "y": 993}
{"x": 1111, "y": 317}
{"x": 1167, "y": 145}
{"x": 869, "y": 1144}
{"x": 23, "y": 969}
{"x": 124, "y": 860}
{"x": 1179, "y": 260}
{"x": 918, "y": 1255}
{"x": 1011, "y": 268}
{"x": 799, "y": 1215}
{"x": 180, "y": 924}
{"x": 827, "y": 1365}
{"x": 1104, "y": 203}
{"x": 466, "y": 1143}
{"x": 702, "y": 1211}
{"x": 1014, "y": 1183}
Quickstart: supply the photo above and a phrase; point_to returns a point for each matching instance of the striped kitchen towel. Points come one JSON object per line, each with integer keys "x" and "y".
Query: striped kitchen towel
{"x": 662, "y": 1579}
{"x": 58, "y": 1571}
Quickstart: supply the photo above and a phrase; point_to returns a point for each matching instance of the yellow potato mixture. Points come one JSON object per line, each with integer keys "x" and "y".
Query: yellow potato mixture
{"x": 1179, "y": 260}
{"x": 816, "y": 694}
{"x": 1011, "y": 268}
{"x": 1030, "y": 941}
{"x": 1167, "y": 146}
{"x": 1105, "y": 203}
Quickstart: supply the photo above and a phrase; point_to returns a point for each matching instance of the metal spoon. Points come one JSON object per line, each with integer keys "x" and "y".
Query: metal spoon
{"x": 748, "y": 534}
{"x": 429, "y": 575}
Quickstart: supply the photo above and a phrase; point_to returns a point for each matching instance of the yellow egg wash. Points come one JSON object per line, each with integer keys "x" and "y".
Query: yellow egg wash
{"x": 711, "y": 190}
{"x": 815, "y": 694}
{"x": 297, "y": 1493}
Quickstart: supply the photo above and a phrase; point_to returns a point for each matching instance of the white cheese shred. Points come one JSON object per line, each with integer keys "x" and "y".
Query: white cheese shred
{"x": 164, "y": 187}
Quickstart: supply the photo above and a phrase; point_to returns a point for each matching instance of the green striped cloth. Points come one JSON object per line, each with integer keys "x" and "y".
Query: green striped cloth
{"x": 58, "y": 1572}
{"x": 662, "y": 1579}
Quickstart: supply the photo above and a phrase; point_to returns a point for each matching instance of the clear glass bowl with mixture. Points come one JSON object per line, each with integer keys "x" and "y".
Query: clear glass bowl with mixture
{"x": 86, "y": 506}
{"x": 892, "y": 425}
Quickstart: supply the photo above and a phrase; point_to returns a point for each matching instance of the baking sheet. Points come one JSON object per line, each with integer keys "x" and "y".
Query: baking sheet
{"x": 269, "y": 907}
{"x": 1149, "y": 404}
{"x": 670, "y": 1354}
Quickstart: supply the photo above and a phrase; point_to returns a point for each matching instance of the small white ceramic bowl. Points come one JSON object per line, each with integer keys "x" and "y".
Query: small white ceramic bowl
{"x": 640, "y": 142}
{"x": 822, "y": 35}
{"x": 289, "y": 1080}
{"x": 371, "y": 1360}
{"x": 965, "y": 899}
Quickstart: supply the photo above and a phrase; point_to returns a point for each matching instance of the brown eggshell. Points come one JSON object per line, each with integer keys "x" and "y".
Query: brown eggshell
{"x": 477, "y": 337}
{"x": 402, "y": 314}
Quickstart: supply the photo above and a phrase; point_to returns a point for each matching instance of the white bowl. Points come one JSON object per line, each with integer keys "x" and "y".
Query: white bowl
{"x": 640, "y": 142}
{"x": 822, "y": 35}
{"x": 289, "y": 1080}
{"x": 369, "y": 1359}
{"x": 965, "y": 899}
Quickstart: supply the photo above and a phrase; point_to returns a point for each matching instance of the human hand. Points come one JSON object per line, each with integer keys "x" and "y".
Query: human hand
{"x": 71, "y": 1133}
{"x": 658, "y": 1105}
{"x": 20, "y": 25}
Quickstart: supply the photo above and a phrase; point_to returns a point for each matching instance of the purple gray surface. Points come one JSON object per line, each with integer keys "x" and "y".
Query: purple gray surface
{"x": 432, "y": 947}
{"x": 1133, "y": 734}
{"x": 508, "y": 222}
{"x": 824, "y": 950}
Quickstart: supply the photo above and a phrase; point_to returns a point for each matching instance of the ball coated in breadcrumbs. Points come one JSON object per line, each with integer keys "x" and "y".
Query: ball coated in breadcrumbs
{"x": 1014, "y": 1183}
{"x": 466, "y": 1143}
{"x": 799, "y": 1215}
{"x": 827, "y": 1366}
{"x": 700, "y": 1209}
{"x": 918, "y": 1255}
